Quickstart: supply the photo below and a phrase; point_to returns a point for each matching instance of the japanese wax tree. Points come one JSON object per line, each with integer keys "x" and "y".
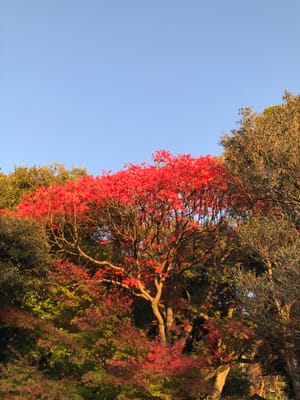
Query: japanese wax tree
{"x": 140, "y": 228}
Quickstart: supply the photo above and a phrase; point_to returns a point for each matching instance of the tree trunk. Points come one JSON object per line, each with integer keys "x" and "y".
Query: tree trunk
{"x": 221, "y": 376}
{"x": 169, "y": 324}
{"x": 293, "y": 370}
{"x": 161, "y": 322}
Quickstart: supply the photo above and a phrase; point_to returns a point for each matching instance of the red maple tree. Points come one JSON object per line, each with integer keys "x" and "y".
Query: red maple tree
{"x": 141, "y": 227}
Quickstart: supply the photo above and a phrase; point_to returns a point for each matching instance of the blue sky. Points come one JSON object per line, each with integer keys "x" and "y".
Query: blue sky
{"x": 101, "y": 83}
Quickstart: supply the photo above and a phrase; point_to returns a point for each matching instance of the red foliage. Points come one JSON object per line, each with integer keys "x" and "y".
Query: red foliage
{"x": 178, "y": 182}
{"x": 226, "y": 339}
{"x": 166, "y": 361}
{"x": 153, "y": 216}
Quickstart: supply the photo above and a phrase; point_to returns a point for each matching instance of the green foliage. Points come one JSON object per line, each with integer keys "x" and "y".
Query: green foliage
{"x": 27, "y": 179}
{"x": 24, "y": 252}
{"x": 263, "y": 155}
{"x": 23, "y": 243}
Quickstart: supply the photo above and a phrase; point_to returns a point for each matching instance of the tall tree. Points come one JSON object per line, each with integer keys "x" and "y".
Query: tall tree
{"x": 264, "y": 158}
{"x": 142, "y": 227}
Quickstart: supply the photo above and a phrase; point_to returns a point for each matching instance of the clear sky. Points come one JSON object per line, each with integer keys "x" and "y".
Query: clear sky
{"x": 100, "y": 83}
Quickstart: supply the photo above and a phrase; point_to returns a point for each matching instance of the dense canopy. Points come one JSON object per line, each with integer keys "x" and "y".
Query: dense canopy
{"x": 177, "y": 279}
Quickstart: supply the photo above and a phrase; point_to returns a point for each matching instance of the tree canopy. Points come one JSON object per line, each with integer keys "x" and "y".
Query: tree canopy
{"x": 173, "y": 280}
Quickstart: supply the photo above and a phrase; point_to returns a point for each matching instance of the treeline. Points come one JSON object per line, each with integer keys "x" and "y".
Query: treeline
{"x": 177, "y": 279}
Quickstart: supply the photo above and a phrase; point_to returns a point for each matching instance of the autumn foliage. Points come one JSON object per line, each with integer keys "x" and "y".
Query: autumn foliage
{"x": 170, "y": 280}
{"x": 140, "y": 227}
